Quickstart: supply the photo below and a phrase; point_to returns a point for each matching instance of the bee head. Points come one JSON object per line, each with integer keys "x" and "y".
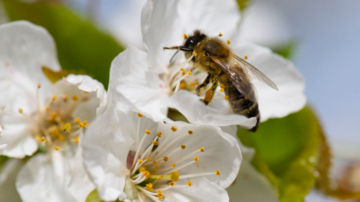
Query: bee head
{"x": 194, "y": 39}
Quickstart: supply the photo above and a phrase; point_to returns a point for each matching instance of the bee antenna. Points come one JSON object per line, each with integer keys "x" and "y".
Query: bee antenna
{"x": 182, "y": 48}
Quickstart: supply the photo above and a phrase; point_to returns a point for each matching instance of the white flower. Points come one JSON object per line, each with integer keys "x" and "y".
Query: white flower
{"x": 146, "y": 79}
{"x": 39, "y": 115}
{"x": 132, "y": 157}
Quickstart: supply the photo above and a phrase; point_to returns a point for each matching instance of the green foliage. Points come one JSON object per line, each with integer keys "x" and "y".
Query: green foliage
{"x": 2, "y": 160}
{"x": 94, "y": 197}
{"x": 243, "y": 4}
{"x": 287, "y": 152}
{"x": 80, "y": 45}
{"x": 286, "y": 50}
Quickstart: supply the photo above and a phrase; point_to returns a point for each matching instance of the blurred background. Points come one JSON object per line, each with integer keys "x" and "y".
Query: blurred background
{"x": 322, "y": 38}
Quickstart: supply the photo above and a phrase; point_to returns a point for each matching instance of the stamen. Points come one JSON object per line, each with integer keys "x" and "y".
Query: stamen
{"x": 226, "y": 97}
{"x": 57, "y": 148}
{"x": 76, "y": 139}
{"x": 155, "y": 143}
{"x": 160, "y": 196}
{"x": 81, "y": 125}
{"x": 140, "y": 160}
{"x": 140, "y": 115}
{"x": 149, "y": 187}
{"x": 171, "y": 183}
{"x": 154, "y": 162}
{"x": 21, "y": 110}
{"x": 75, "y": 97}
{"x": 174, "y": 175}
{"x": 217, "y": 172}
{"x": 182, "y": 147}
{"x": 190, "y": 132}
{"x": 228, "y": 42}
{"x": 157, "y": 167}
{"x": 61, "y": 137}
{"x": 221, "y": 89}
{"x": 220, "y": 34}
{"x": 195, "y": 175}
{"x": 173, "y": 165}
{"x": 246, "y": 57}
{"x": 189, "y": 73}
{"x": 67, "y": 128}
{"x": 65, "y": 98}
{"x": 77, "y": 120}
{"x": 189, "y": 183}
{"x": 196, "y": 159}
{"x": 147, "y": 131}
{"x": 202, "y": 149}
{"x": 173, "y": 129}
{"x": 194, "y": 53}
{"x": 159, "y": 134}
{"x": 39, "y": 85}
{"x": 54, "y": 98}
{"x": 165, "y": 158}
{"x": 47, "y": 108}
{"x": 185, "y": 36}
{"x": 148, "y": 159}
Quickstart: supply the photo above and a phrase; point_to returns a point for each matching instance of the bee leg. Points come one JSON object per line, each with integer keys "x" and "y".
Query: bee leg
{"x": 209, "y": 94}
{"x": 204, "y": 83}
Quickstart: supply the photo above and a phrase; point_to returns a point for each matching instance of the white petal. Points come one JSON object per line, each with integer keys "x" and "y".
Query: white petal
{"x": 196, "y": 112}
{"x": 159, "y": 25}
{"x": 17, "y": 137}
{"x": 87, "y": 84}
{"x": 201, "y": 190}
{"x": 80, "y": 185}
{"x": 131, "y": 77}
{"x": 290, "y": 97}
{"x": 221, "y": 151}
{"x": 8, "y": 174}
{"x": 250, "y": 185}
{"x": 25, "y": 48}
{"x": 105, "y": 151}
{"x": 38, "y": 181}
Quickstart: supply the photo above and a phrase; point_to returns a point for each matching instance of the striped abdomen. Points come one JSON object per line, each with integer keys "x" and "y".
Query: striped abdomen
{"x": 241, "y": 104}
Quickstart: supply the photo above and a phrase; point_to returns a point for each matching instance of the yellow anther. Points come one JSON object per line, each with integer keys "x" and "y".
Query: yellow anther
{"x": 140, "y": 115}
{"x": 21, "y": 110}
{"x": 174, "y": 175}
{"x": 160, "y": 196}
{"x": 147, "y": 131}
{"x": 245, "y": 56}
{"x": 76, "y": 139}
{"x": 75, "y": 97}
{"x": 159, "y": 192}
{"x": 194, "y": 53}
{"x": 86, "y": 92}
{"x": 157, "y": 167}
{"x": 183, "y": 146}
{"x": 202, "y": 149}
{"x": 39, "y": 85}
{"x": 192, "y": 84}
{"x": 61, "y": 137}
{"x": 196, "y": 158}
{"x": 166, "y": 158}
{"x": 173, "y": 165}
{"x": 190, "y": 132}
{"x": 220, "y": 34}
{"x": 149, "y": 187}
{"x": 171, "y": 183}
{"x": 65, "y": 98}
{"x": 54, "y": 97}
{"x": 57, "y": 148}
{"x": 148, "y": 159}
{"x": 155, "y": 142}
{"x": 185, "y": 36}
{"x": 189, "y": 73}
{"x": 182, "y": 70}
{"x": 182, "y": 85}
{"x": 67, "y": 127}
{"x": 146, "y": 173}
{"x": 42, "y": 139}
{"x": 86, "y": 124}
{"x": 226, "y": 97}
{"x": 140, "y": 160}
{"x": 221, "y": 90}
{"x": 47, "y": 108}
{"x": 154, "y": 162}
{"x": 217, "y": 172}
{"x": 77, "y": 120}
{"x": 159, "y": 134}
{"x": 81, "y": 125}
{"x": 189, "y": 183}
{"x": 173, "y": 129}
{"x": 228, "y": 42}
{"x": 142, "y": 169}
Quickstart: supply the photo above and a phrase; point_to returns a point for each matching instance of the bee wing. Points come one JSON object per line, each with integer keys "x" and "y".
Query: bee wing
{"x": 238, "y": 78}
{"x": 255, "y": 73}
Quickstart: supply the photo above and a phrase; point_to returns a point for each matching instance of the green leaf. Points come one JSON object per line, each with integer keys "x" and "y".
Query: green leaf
{"x": 243, "y": 4}
{"x": 80, "y": 45}
{"x": 3, "y": 159}
{"x": 94, "y": 197}
{"x": 287, "y": 152}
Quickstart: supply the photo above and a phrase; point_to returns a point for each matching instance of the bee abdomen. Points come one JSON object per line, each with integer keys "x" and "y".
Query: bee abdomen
{"x": 243, "y": 106}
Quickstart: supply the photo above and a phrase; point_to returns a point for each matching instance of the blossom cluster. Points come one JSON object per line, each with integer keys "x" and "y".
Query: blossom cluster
{"x": 79, "y": 137}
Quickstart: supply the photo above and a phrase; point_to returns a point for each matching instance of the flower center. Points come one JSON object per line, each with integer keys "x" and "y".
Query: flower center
{"x": 157, "y": 167}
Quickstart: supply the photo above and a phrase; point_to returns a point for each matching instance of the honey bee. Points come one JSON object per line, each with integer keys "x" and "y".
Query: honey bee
{"x": 212, "y": 55}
